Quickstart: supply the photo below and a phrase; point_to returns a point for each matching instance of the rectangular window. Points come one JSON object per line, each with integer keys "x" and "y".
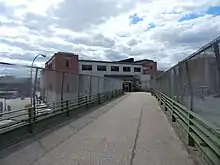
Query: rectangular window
{"x": 126, "y": 69}
{"x": 136, "y": 69}
{"x": 101, "y": 68}
{"x": 86, "y": 67}
{"x": 115, "y": 68}
{"x": 67, "y": 63}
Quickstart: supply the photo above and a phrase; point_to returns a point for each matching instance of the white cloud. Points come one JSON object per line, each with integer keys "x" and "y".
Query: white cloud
{"x": 101, "y": 29}
{"x": 35, "y": 6}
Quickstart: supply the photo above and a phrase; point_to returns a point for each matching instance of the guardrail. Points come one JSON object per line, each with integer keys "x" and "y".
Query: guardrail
{"x": 200, "y": 133}
{"x": 32, "y": 120}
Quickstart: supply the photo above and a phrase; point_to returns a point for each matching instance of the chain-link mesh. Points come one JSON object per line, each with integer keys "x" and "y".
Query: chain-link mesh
{"x": 24, "y": 86}
{"x": 195, "y": 82}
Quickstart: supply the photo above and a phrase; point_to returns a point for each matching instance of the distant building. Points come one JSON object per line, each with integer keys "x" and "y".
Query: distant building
{"x": 132, "y": 73}
{"x": 22, "y": 86}
{"x": 149, "y": 67}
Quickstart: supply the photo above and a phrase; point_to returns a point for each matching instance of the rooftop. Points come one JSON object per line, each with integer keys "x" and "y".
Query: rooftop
{"x": 114, "y": 62}
{"x": 129, "y": 61}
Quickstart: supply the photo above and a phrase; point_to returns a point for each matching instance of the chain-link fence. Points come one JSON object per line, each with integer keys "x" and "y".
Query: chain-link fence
{"x": 24, "y": 86}
{"x": 195, "y": 82}
{"x": 57, "y": 85}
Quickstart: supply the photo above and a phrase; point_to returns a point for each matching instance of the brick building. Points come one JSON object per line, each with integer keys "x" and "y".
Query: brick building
{"x": 131, "y": 72}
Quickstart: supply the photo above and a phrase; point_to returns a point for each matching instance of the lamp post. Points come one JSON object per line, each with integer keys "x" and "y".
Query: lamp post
{"x": 42, "y": 55}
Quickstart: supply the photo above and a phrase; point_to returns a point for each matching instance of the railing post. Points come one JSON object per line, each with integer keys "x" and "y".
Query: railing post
{"x": 30, "y": 118}
{"x": 78, "y": 100}
{"x": 158, "y": 96}
{"x": 173, "y": 112}
{"x": 151, "y": 92}
{"x": 67, "y": 108}
{"x": 106, "y": 96}
{"x": 86, "y": 97}
{"x": 165, "y": 105}
{"x": 99, "y": 99}
{"x": 161, "y": 99}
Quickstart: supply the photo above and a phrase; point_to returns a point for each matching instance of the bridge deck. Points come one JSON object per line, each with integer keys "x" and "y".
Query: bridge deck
{"x": 131, "y": 130}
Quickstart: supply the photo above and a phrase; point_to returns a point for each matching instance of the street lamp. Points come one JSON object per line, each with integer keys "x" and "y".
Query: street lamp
{"x": 42, "y": 55}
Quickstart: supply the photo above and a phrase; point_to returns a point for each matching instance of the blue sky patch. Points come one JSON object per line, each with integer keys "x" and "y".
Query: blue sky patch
{"x": 134, "y": 19}
{"x": 214, "y": 10}
{"x": 189, "y": 17}
{"x": 211, "y": 10}
{"x": 151, "y": 26}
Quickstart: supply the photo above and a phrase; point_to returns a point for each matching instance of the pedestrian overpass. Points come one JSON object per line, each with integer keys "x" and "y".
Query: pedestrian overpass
{"x": 175, "y": 122}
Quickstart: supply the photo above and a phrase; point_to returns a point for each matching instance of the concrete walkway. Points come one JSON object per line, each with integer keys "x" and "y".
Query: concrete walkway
{"x": 131, "y": 130}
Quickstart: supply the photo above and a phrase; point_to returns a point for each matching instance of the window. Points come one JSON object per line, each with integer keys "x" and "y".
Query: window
{"x": 115, "y": 68}
{"x": 101, "y": 68}
{"x": 137, "y": 69}
{"x": 126, "y": 69}
{"x": 67, "y": 63}
{"x": 151, "y": 67}
{"x": 86, "y": 67}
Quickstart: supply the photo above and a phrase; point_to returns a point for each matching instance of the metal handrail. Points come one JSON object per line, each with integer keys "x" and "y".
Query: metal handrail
{"x": 34, "y": 114}
{"x": 202, "y": 134}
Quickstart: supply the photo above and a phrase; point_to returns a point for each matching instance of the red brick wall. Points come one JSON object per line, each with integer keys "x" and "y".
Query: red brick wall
{"x": 59, "y": 62}
{"x": 149, "y": 68}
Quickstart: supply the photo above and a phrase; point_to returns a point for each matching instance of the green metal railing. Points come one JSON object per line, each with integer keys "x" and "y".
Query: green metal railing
{"x": 200, "y": 134}
{"x": 33, "y": 122}
{"x": 30, "y": 115}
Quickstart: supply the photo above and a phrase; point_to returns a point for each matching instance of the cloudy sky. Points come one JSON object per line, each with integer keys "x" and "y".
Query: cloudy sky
{"x": 163, "y": 30}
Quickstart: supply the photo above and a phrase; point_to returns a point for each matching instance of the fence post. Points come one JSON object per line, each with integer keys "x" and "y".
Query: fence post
{"x": 67, "y": 108}
{"x": 90, "y": 88}
{"x": 78, "y": 84}
{"x": 175, "y": 83}
{"x": 190, "y": 117}
{"x": 217, "y": 56}
{"x": 34, "y": 94}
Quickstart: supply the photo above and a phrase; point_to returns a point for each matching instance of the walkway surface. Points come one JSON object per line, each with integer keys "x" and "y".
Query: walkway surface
{"x": 131, "y": 130}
